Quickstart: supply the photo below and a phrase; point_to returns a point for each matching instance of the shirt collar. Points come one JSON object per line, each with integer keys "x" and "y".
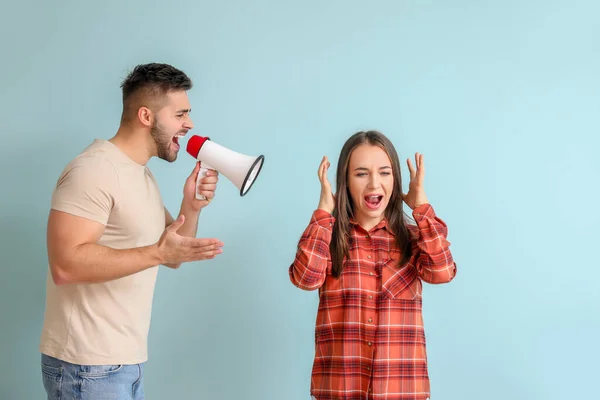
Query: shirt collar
{"x": 383, "y": 224}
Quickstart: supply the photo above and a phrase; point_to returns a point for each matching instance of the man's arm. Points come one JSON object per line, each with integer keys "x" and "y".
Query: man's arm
{"x": 81, "y": 206}
{"x": 190, "y": 206}
{"x": 75, "y": 257}
{"x": 190, "y": 227}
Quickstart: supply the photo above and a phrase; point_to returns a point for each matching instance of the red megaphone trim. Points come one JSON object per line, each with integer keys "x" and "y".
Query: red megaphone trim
{"x": 195, "y": 144}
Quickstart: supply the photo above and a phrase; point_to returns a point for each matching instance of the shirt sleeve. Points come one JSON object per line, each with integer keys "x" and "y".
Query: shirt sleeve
{"x": 87, "y": 188}
{"x": 313, "y": 259}
{"x": 434, "y": 261}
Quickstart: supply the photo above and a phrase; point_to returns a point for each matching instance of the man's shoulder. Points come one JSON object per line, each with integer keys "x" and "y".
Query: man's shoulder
{"x": 100, "y": 153}
{"x": 88, "y": 185}
{"x": 95, "y": 163}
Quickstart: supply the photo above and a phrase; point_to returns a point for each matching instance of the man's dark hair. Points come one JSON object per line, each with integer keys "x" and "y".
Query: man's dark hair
{"x": 147, "y": 85}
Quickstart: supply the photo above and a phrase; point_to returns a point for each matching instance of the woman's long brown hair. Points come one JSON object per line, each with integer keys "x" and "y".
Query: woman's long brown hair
{"x": 344, "y": 210}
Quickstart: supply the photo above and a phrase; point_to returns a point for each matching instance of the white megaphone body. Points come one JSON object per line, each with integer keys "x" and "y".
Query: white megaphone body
{"x": 240, "y": 169}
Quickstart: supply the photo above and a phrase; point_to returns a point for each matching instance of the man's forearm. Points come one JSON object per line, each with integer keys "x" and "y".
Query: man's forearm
{"x": 190, "y": 226}
{"x": 94, "y": 263}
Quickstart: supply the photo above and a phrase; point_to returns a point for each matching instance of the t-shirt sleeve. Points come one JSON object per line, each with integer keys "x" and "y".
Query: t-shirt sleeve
{"x": 87, "y": 188}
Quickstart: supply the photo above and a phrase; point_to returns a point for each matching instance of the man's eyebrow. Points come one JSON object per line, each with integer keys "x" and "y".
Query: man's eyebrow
{"x": 184, "y": 110}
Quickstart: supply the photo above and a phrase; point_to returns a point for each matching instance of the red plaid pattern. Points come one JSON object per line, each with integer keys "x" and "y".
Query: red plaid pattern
{"x": 369, "y": 336}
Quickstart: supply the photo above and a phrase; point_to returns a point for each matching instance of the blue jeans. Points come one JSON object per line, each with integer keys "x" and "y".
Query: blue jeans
{"x": 65, "y": 381}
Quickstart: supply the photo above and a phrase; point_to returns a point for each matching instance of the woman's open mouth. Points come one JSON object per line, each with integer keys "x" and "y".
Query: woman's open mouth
{"x": 373, "y": 201}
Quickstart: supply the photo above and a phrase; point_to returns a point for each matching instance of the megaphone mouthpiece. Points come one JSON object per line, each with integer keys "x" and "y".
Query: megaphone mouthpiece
{"x": 195, "y": 144}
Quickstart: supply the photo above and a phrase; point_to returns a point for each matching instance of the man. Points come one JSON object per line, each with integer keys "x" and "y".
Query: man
{"x": 108, "y": 231}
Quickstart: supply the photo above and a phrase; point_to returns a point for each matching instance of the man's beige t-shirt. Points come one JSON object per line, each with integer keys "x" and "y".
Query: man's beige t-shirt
{"x": 105, "y": 323}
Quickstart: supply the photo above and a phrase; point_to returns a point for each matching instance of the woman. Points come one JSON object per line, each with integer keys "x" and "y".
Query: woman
{"x": 368, "y": 264}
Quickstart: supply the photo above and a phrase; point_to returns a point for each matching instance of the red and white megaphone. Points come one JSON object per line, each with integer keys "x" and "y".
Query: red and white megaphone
{"x": 240, "y": 169}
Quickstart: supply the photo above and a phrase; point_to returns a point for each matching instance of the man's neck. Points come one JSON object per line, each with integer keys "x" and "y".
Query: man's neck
{"x": 133, "y": 143}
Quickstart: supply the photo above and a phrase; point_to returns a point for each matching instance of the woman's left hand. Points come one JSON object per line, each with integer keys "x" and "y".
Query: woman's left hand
{"x": 416, "y": 192}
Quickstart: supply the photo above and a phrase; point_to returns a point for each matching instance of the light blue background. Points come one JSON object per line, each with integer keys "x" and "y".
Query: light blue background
{"x": 502, "y": 97}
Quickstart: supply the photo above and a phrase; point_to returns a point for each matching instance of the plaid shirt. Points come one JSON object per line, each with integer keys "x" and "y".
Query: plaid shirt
{"x": 369, "y": 336}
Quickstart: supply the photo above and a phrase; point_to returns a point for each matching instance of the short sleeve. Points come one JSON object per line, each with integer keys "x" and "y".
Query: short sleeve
{"x": 87, "y": 188}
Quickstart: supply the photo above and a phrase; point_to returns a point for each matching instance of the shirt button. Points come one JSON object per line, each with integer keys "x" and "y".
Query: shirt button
{"x": 370, "y": 319}
{"x": 368, "y": 256}
{"x": 370, "y": 297}
{"x": 369, "y": 343}
{"x": 370, "y": 273}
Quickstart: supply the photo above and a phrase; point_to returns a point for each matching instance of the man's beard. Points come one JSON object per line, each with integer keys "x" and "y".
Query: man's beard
{"x": 163, "y": 143}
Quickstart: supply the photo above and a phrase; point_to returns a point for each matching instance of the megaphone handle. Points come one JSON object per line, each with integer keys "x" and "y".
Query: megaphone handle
{"x": 201, "y": 174}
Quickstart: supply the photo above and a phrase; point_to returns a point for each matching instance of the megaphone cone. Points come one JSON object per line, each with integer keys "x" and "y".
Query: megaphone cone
{"x": 240, "y": 169}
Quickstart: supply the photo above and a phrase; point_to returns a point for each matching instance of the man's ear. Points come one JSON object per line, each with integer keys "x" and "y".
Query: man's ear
{"x": 145, "y": 116}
